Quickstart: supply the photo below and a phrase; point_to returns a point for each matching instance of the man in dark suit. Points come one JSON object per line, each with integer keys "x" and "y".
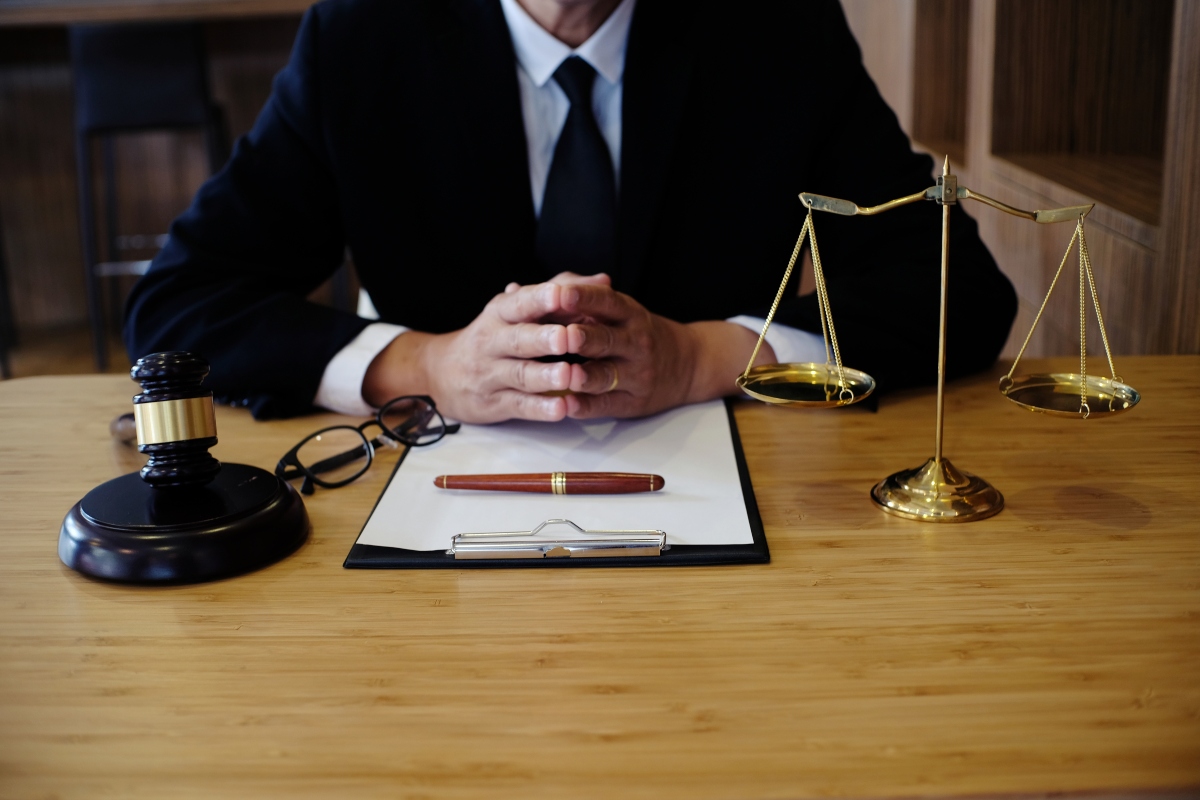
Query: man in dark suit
{"x": 613, "y": 179}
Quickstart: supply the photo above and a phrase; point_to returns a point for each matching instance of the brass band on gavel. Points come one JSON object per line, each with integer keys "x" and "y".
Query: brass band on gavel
{"x": 175, "y": 420}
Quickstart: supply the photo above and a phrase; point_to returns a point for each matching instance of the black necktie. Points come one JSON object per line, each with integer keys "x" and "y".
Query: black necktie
{"x": 577, "y": 227}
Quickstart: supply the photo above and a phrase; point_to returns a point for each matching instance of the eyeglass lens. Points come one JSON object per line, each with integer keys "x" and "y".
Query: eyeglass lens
{"x": 336, "y": 454}
{"x": 413, "y": 420}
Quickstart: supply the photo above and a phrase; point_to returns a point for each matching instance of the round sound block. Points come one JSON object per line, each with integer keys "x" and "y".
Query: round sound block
{"x": 127, "y": 530}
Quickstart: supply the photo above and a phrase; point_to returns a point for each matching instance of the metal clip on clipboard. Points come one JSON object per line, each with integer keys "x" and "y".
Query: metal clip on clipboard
{"x": 527, "y": 544}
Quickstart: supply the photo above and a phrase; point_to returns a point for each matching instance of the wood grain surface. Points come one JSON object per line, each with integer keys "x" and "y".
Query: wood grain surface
{"x": 1181, "y": 189}
{"x": 1053, "y": 648}
{"x": 1081, "y": 76}
{"x": 940, "y": 75}
{"x": 1132, "y": 184}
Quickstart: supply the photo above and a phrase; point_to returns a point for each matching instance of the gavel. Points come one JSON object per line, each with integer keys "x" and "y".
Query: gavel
{"x": 184, "y": 517}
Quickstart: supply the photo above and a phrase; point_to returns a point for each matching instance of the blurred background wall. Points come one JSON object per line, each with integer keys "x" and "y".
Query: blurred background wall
{"x": 1037, "y": 102}
{"x": 156, "y": 172}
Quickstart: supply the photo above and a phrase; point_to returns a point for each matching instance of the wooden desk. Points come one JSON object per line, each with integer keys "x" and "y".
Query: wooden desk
{"x": 1053, "y": 648}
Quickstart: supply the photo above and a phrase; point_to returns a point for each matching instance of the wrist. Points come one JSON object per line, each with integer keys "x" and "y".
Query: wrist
{"x": 399, "y": 369}
{"x": 722, "y": 352}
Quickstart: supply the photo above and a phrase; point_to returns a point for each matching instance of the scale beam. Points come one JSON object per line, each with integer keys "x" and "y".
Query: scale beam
{"x": 1065, "y": 214}
{"x": 835, "y": 205}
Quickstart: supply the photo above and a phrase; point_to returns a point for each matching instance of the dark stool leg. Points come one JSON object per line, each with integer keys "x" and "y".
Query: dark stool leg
{"x": 87, "y": 230}
{"x": 111, "y": 283}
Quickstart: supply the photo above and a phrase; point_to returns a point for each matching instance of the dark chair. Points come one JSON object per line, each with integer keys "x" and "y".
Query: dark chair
{"x": 130, "y": 78}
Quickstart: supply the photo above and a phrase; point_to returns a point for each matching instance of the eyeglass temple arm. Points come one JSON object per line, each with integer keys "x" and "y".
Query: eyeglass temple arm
{"x": 342, "y": 459}
{"x": 339, "y": 460}
{"x": 419, "y": 422}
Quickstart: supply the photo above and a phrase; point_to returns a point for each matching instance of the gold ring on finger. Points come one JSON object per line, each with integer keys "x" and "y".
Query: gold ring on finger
{"x": 616, "y": 378}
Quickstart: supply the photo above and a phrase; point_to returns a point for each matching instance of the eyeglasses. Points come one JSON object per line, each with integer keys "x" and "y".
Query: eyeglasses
{"x": 337, "y": 455}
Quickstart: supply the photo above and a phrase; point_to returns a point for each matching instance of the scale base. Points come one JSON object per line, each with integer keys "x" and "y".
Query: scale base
{"x": 126, "y": 530}
{"x": 937, "y": 492}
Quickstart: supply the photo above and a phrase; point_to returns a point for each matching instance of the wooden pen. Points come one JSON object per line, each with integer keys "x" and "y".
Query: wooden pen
{"x": 555, "y": 482}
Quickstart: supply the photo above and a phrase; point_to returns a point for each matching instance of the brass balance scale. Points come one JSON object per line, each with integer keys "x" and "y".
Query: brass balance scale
{"x": 936, "y": 491}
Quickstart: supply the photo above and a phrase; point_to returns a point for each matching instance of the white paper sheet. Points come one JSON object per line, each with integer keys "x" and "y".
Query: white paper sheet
{"x": 691, "y": 447}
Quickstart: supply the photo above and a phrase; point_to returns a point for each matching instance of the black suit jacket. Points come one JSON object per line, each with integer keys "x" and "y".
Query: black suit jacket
{"x": 396, "y": 130}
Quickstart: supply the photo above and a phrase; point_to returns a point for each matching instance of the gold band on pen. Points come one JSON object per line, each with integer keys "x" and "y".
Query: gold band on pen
{"x": 558, "y": 482}
{"x": 175, "y": 420}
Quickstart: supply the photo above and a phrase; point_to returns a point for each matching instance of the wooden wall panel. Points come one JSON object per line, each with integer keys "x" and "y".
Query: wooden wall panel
{"x": 1130, "y": 295}
{"x": 1138, "y": 295}
{"x": 1130, "y": 288}
{"x": 885, "y": 34}
{"x": 939, "y": 75}
{"x": 1181, "y": 184}
{"x": 1081, "y": 76}
{"x": 981, "y": 60}
{"x": 1082, "y": 85}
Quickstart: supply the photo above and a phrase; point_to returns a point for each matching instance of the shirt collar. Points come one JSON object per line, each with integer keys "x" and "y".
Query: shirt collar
{"x": 540, "y": 54}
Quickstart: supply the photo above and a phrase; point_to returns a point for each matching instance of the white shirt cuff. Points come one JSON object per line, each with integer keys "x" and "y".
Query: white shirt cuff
{"x": 341, "y": 384}
{"x": 791, "y": 345}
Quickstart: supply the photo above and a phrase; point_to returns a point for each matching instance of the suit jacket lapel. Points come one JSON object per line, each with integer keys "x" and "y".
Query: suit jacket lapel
{"x": 489, "y": 111}
{"x": 658, "y": 67}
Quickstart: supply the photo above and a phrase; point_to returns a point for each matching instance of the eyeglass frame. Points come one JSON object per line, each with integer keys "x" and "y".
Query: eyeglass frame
{"x": 290, "y": 468}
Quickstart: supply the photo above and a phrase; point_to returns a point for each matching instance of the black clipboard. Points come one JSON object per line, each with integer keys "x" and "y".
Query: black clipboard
{"x": 368, "y": 556}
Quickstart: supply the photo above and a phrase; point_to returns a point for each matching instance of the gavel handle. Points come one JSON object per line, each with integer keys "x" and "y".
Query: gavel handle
{"x": 123, "y": 429}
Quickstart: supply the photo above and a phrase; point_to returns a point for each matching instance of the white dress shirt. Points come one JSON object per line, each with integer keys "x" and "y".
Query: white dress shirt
{"x": 544, "y": 108}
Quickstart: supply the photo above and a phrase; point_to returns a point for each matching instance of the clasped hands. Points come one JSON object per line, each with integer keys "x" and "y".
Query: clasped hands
{"x": 639, "y": 363}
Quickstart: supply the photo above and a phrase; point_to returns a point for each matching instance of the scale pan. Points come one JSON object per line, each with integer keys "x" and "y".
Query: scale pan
{"x": 807, "y": 385}
{"x": 1058, "y": 393}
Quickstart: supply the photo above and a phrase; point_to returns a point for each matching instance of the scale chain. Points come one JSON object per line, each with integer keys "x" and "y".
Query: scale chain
{"x": 1087, "y": 285}
{"x": 826, "y": 311}
{"x": 812, "y": 237}
{"x": 779, "y": 295}
{"x": 821, "y": 307}
{"x": 1045, "y": 300}
{"x": 1084, "y": 408}
{"x": 828, "y": 334}
{"x": 1087, "y": 261}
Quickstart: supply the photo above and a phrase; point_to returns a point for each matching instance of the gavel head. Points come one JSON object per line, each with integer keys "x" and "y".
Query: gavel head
{"x": 175, "y": 420}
